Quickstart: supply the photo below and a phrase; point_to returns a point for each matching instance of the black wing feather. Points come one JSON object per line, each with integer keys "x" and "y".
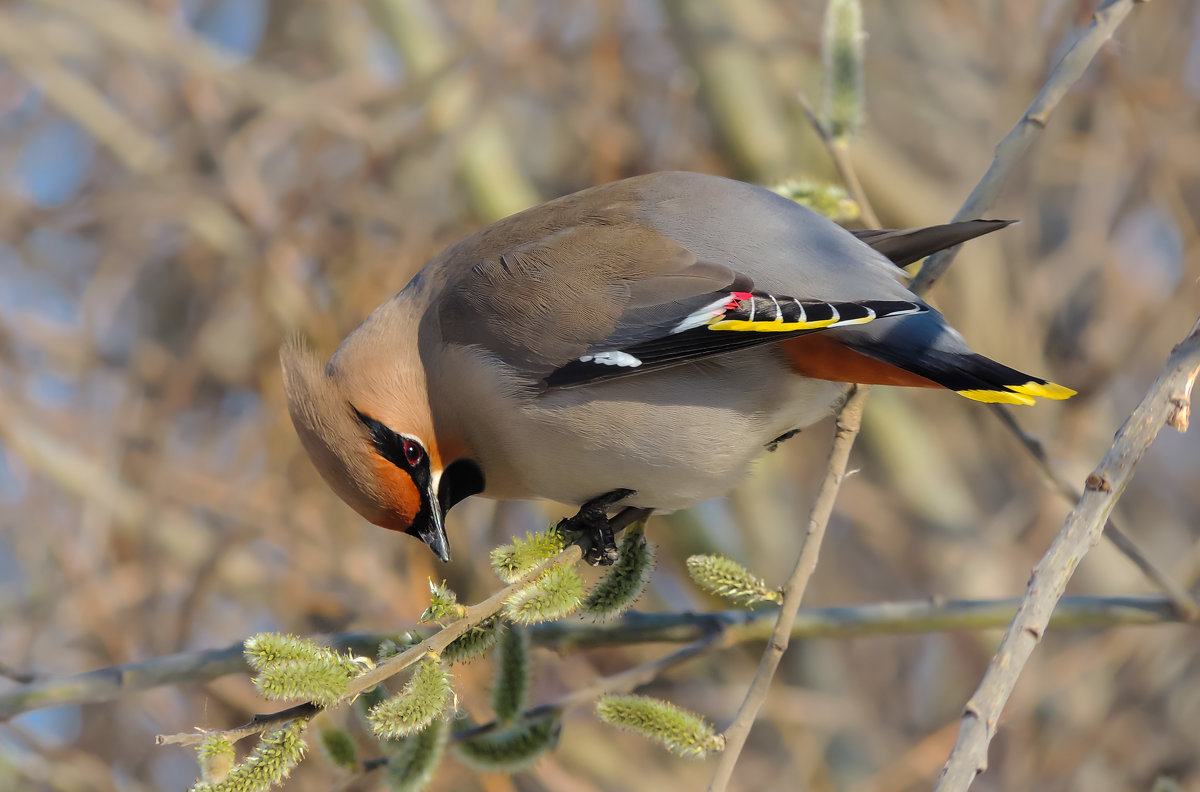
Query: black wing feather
{"x": 699, "y": 343}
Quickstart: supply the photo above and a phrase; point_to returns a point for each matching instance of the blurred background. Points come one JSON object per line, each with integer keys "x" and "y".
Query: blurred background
{"x": 185, "y": 182}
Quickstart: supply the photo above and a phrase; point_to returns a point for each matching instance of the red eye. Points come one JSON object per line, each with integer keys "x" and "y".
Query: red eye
{"x": 413, "y": 452}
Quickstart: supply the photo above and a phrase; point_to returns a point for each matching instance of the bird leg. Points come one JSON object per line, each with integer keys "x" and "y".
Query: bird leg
{"x": 774, "y": 444}
{"x": 593, "y": 529}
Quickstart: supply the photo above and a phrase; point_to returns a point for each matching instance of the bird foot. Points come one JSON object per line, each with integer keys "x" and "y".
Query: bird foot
{"x": 593, "y": 530}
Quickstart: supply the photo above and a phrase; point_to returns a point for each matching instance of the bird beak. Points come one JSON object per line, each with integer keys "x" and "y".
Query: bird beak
{"x": 446, "y": 487}
{"x": 433, "y": 533}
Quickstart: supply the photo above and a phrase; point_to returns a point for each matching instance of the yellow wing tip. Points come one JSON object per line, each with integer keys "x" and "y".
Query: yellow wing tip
{"x": 1019, "y": 394}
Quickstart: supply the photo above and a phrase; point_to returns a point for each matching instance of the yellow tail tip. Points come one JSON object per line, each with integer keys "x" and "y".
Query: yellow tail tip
{"x": 1048, "y": 390}
{"x": 1019, "y": 394}
{"x": 996, "y": 396}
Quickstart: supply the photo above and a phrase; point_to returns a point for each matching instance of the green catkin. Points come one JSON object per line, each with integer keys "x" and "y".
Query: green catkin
{"x": 443, "y": 605}
{"x": 413, "y": 761}
{"x": 556, "y": 593}
{"x": 626, "y": 579}
{"x": 423, "y": 698}
{"x": 513, "y": 561}
{"x": 297, "y": 668}
{"x": 842, "y": 58}
{"x": 828, "y": 200}
{"x": 512, "y": 749}
{"x": 474, "y": 643}
{"x": 322, "y": 681}
{"x": 729, "y": 579}
{"x": 266, "y": 649}
{"x": 510, "y": 693}
{"x": 268, "y": 764}
{"x": 338, "y": 746}
{"x": 681, "y": 732}
{"x": 216, "y": 756}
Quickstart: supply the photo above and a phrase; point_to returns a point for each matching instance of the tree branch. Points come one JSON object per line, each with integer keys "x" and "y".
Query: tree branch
{"x": 1166, "y": 399}
{"x": 390, "y": 667}
{"x": 1009, "y": 151}
{"x": 1188, "y": 608}
{"x": 848, "y": 421}
{"x": 737, "y": 626}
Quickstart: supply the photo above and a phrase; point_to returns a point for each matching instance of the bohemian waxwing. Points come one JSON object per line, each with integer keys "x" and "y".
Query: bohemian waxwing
{"x": 634, "y": 344}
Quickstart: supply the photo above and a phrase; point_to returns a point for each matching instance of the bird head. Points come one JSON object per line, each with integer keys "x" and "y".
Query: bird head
{"x": 370, "y": 434}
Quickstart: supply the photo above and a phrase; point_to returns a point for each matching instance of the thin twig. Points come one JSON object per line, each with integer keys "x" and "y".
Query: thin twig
{"x": 1081, "y": 531}
{"x": 839, "y": 152}
{"x": 848, "y": 422}
{"x": 388, "y": 668}
{"x": 1189, "y": 609}
{"x": 737, "y": 626}
{"x": 1009, "y": 151}
{"x": 622, "y": 682}
{"x": 977, "y": 203}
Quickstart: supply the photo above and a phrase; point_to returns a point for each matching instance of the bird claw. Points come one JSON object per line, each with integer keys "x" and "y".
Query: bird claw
{"x": 602, "y": 549}
{"x": 592, "y": 529}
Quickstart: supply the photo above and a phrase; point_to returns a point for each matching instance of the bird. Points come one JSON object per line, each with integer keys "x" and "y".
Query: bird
{"x": 630, "y": 347}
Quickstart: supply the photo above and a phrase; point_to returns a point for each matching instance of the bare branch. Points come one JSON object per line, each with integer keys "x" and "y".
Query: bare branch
{"x": 839, "y": 152}
{"x": 1105, "y": 22}
{"x": 1188, "y": 608}
{"x": 1008, "y": 152}
{"x": 848, "y": 422}
{"x": 1080, "y": 533}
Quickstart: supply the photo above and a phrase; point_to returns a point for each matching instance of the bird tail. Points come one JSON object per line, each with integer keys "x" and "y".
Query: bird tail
{"x": 925, "y": 346}
{"x": 982, "y": 379}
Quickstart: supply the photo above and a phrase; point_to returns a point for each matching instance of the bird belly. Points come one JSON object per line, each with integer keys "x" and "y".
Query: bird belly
{"x": 676, "y": 436}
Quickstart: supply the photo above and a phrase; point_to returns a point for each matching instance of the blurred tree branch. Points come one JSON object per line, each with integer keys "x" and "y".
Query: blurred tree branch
{"x": 735, "y": 626}
{"x": 734, "y": 84}
{"x": 487, "y": 163}
{"x": 1009, "y": 151}
{"x": 24, "y": 50}
{"x": 136, "y": 28}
